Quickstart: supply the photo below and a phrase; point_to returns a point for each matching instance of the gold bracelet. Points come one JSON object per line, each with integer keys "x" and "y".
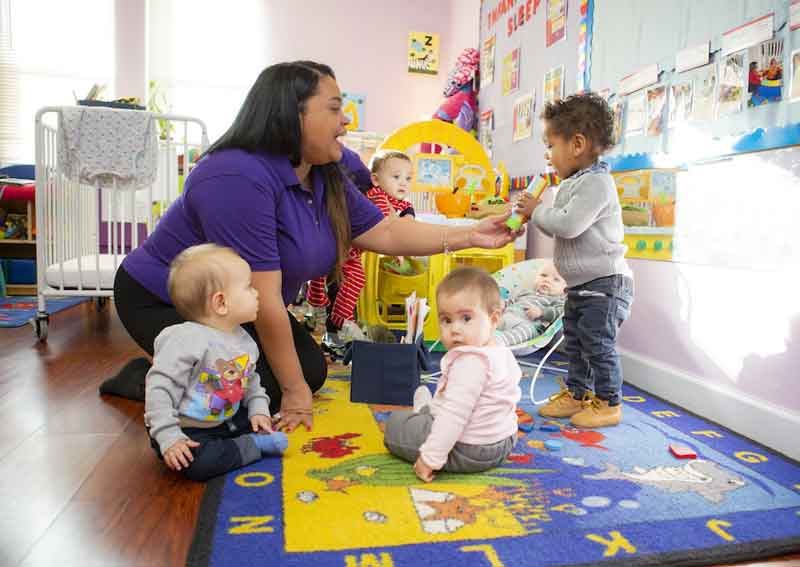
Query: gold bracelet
{"x": 445, "y": 246}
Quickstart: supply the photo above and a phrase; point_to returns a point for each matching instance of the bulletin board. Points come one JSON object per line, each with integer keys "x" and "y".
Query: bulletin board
{"x": 519, "y": 31}
{"x": 630, "y": 35}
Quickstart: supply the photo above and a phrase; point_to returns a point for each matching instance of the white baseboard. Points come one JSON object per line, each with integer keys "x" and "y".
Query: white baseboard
{"x": 761, "y": 421}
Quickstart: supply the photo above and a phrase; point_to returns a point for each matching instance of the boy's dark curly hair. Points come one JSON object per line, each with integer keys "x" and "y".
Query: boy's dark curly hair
{"x": 586, "y": 114}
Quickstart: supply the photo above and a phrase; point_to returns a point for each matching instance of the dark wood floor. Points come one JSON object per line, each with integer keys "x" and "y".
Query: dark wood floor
{"x": 79, "y": 484}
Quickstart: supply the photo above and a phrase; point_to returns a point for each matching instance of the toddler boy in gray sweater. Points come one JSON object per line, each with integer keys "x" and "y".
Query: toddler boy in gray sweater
{"x": 586, "y": 223}
{"x": 205, "y": 409}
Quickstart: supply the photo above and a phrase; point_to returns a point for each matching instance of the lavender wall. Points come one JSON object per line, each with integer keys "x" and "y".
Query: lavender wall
{"x": 365, "y": 43}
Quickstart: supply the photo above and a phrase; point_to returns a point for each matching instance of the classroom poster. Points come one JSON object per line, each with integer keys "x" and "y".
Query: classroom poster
{"x": 556, "y": 22}
{"x": 730, "y": 94}
{"x": 656, "y": 105}
{"x": 523, "y": 117}
{"x": 353, "y": 108}
{"x": 486, "y": 131}
{"x": 680, "y": 104}
{"x": 636, "y": 114}
{"x": 553, "y": 84}
{"x": 794, "y": 92}
{"x": 511, "y": 71}
{"x": 705, "y": 93}
{"x": 618, "y": 108}
{"x": 765, "y": 73}
{"x": 487, "y": 60}
{"x": 423, "y": 53}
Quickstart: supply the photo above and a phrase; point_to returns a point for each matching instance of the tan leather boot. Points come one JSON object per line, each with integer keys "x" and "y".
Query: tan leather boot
{"x": 597, "y": 413}
{"x": 561, "y": 404}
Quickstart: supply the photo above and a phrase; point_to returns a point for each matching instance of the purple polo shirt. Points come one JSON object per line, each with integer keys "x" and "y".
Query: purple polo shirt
{"x": 254, "y": 204}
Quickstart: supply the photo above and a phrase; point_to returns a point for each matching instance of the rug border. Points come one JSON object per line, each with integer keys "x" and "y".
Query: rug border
{"x": 756, "y": 550}
{"x": 199, "y": 553}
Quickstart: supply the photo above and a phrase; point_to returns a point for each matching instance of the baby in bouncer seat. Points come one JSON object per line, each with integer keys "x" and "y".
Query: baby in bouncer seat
{"x": 530, "y": 311}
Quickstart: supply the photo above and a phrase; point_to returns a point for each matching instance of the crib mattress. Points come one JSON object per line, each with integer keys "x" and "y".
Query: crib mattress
{"x": 88, "y": 276}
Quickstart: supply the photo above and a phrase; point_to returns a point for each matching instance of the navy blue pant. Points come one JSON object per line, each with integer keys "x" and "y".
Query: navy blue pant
{"x": 222, "y": 449}
{"x": 593, "y": 314}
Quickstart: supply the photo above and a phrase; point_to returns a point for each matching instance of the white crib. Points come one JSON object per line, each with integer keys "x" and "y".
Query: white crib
{"x": 83, "y": 232}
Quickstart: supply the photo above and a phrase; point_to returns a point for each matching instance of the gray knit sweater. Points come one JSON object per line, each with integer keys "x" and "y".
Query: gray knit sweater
{"x": 586, "y": 222}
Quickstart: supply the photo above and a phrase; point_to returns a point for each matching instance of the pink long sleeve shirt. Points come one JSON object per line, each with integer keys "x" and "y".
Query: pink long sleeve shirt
{"x": 475, "y": 401}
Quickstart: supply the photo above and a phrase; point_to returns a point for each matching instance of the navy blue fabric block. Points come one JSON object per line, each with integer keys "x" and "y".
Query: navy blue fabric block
{"x": 385, "y": 373}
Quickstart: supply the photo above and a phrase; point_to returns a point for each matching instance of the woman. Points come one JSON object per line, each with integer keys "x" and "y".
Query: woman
{"x": 271, "y": 189}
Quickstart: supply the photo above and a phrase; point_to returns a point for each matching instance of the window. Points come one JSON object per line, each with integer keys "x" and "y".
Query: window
{"x": 61, "y": 50}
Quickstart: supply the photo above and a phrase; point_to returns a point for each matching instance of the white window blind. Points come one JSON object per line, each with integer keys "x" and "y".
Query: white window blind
{"x": 61, "y": 48}
{"x": 205, "y": 58}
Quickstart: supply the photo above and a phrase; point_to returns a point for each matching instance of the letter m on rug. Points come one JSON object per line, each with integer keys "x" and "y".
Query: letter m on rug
{"x": 369, "y": 560}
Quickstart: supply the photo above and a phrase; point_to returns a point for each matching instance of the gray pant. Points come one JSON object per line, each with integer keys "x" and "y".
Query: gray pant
{"x": 406, "y": 431}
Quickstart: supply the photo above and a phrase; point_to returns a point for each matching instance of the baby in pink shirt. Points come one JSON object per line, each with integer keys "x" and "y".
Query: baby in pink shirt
{"x": 470, "y": 424}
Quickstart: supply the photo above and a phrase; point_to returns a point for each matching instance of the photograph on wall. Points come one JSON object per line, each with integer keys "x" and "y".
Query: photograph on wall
{"x": 730, "y": 95}
{"x": 705, "y": 95}
{"x": 553, "y": 84}
{"x": 487, "y": 61}
{"x": 680, "y": 103}
{"x": 423, "y": 53}
{"x": 656, "y": 105}
{"x": 353, "y": 108}
{"x": 636, "y": 114}
{"x": 511, "y": 71}
{"x": 434, "y": 172}
{"x": 618, "y": 108}
{"x": 794, "y": 92}
{"x": 523, "y": 117}
{"x": 556, "y": 21}
{"x": 765, "y": 73}
{"x": 486, "y": 131}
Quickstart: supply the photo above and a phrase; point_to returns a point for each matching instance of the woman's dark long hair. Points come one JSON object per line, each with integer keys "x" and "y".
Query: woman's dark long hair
{"x": 269, "y": 122}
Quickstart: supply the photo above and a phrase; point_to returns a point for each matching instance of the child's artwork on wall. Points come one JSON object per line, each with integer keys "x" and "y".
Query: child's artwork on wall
{"x": 731, "y": 85}
{"x": 511, "y": 71}
{"x": 705, "y": 96}
{"x": 680, "y": 104}
{"x": 765, "y": 73}
{"x": 486, "y": 131}
{"x": 656, "y": 104}
{"x": 618, "y": 108}
{"x": 523, "y": 117}
{"x": 353, "y": 108}
{"x": 636, "y": 114}
{"x": 553, "y": 84}
{"x": 423, "y": 53}
{"x": 434, "y": 172}
{"x": 556, "y": 21}
{"x": 487, "y": 61}
{"x": 794, "y": 93}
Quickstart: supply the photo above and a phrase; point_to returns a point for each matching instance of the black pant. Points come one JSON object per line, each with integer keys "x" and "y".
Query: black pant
{"x": 222, "y": 449}
{"x": 144, "y": 316}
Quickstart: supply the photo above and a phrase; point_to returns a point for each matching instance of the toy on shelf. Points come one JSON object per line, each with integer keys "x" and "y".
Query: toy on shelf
{"x": 648, "y": 199}
{"x": 444, "y": 185}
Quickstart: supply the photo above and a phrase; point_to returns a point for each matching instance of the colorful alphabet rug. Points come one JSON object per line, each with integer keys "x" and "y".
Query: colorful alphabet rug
{"x": 614, "y": 496}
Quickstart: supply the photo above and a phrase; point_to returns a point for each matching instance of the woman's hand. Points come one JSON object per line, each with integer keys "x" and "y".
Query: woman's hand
{"x": 295, "y": 409}
{"x": 492, "y": 232}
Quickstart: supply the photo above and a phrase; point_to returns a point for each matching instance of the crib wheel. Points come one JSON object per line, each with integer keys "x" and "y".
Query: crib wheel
{"x": 40, "y": 326}
{"x": 100, "y": 303}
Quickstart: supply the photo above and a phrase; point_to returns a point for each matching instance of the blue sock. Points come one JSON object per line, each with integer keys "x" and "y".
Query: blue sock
{"x": 273, "y": 444}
